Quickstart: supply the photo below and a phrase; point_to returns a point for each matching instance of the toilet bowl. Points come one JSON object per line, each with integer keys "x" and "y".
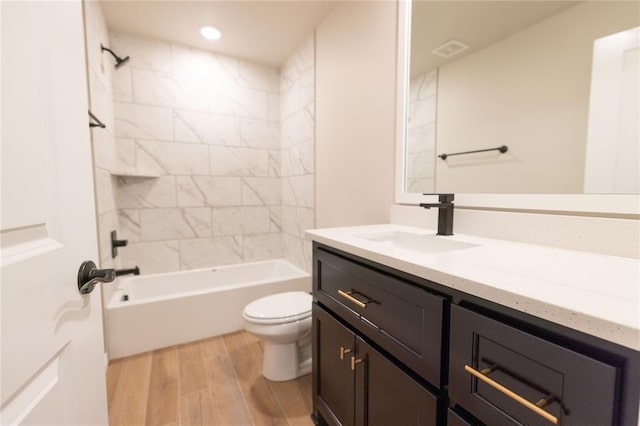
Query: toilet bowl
{"x": 283, "y": 322}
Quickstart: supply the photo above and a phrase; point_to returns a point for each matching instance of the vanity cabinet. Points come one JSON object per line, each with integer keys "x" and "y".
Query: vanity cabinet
{"x": 392, "y": 348}
{"x": 371, "y": 332}
{"x": 403, "y": 319}
{"x": 357, "y": 385}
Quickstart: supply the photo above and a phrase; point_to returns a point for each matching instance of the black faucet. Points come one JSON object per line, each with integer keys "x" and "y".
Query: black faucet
{"x": 132, "y": 271}
{"x": 445, "y": 213}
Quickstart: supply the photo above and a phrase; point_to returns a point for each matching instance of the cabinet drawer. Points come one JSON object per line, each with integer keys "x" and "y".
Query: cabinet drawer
{"x": 403, "y": 319}
{"x": 499, "y": 373}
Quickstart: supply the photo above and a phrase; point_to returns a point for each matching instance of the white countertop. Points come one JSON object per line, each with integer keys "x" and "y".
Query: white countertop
{"x": 595, "y": 294}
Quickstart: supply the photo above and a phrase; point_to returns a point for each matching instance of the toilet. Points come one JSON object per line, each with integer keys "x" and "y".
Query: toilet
{"x": 283, "y": 322}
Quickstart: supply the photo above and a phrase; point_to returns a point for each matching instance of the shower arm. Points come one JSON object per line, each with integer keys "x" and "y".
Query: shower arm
{"x": 119, "y": 61}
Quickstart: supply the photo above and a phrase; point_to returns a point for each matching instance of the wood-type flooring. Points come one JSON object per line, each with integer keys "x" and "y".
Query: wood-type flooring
{"x": 215, "y": 381}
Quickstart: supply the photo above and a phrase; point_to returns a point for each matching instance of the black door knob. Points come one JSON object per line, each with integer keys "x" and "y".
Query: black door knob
{"x": 89, "y": 276}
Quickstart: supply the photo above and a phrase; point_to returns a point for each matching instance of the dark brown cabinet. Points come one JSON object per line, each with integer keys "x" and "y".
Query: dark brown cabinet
{"x": 394, "y": 349}
{"x": 334, "y": 383}
{"x": 357, "y": 385}
{"x": 503, "y": 375}
{"x": 454, "y": 419}
{"x": 401, "y": 318}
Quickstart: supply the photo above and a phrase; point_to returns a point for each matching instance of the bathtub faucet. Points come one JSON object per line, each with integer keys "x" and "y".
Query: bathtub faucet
{"x": 132, "y": 271}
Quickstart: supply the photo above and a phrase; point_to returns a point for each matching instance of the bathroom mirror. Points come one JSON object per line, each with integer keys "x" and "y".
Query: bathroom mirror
{"x": 475, "y": 75}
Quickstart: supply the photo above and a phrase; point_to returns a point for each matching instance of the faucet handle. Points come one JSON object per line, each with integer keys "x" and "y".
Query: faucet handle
{"x": 443, "y": 198}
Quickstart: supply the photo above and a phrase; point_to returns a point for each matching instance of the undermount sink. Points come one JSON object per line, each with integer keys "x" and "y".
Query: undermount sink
{"x": 422, "y": 243}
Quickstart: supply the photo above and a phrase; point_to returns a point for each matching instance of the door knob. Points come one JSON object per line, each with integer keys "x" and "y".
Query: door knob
{"x": 89, "y": 276}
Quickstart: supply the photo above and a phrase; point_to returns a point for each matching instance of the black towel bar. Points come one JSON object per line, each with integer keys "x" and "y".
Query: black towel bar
{"x": 502, "y": 150}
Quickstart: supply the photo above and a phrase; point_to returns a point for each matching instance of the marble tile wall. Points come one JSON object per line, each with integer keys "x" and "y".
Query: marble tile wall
{"x": 297, "y": 112}
{"x": 208, "y": 126}
{"x": 422, "y": 133}
{"x": 100, "y": 66}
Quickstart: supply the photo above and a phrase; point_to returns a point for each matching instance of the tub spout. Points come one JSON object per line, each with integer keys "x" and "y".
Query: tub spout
{"x": 132, "y": 271}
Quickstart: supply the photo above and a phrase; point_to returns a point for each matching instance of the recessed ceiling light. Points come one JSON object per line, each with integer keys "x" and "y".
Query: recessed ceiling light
{"x": 210, "y": 33}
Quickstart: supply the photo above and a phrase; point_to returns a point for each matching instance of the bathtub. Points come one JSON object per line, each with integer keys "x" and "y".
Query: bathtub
{"x": 149, "y": 312}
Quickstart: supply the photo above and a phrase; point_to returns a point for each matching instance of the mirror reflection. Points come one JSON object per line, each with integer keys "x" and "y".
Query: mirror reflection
{"x": 555, "y": 82}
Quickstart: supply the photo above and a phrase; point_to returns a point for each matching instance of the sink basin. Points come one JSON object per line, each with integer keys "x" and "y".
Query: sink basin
{"x": 422, "y": 243}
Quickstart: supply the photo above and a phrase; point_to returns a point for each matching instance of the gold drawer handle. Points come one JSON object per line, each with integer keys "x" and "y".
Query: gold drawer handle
{"x": 355, "y": 361}
{"x": 511, "y": 394}
{"x": 348, "y": 295}
{"x": 343, "y": 351}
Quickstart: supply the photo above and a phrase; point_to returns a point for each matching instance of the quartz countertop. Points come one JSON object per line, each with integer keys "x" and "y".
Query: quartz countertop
{"x": 595, "y": 294}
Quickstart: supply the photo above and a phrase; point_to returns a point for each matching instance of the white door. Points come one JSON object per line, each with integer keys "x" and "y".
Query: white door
{"x": 52, "y": 367}
{"x": 613, "y": 140}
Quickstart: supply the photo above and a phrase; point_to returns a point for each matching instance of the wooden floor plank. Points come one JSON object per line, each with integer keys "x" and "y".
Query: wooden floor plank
{"x": 247, "y": 363}
{"x": 196, "y": 409}
{"x": 229, "y": 401}
{"x": 129, "y": 404}
{"x": 305, "y": 387}
{"x": 292, "y": 402}
{"x": 216, "y": 381}
{"x": 162, "y": 404}
{"x": 113, "y": 373}
{"x": 192, "y": 374}
{"x": 213, "y": 347}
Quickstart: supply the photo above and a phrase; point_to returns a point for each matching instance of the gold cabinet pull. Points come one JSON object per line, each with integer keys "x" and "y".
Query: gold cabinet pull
{"x": 511, "y": 394}
{"x": 348, "y": 295}
{"x": 343, "y": 351}
{"x": 355, "y": 361}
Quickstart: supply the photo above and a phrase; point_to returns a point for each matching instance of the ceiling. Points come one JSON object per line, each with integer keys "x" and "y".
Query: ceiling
{"x": 261, "y": 31}
{"x": 268, "y": 31}
{"x": 474, "y": 23}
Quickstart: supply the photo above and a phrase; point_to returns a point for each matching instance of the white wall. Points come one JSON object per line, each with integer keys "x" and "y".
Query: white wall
{"x": 99, "y": 69}
{"x": 208, "y": 126}
{"x": 297, "y": 117}
{"x": 229, "y": 142}
{"x": 529, "y": 91}
{"x": 355, "y": 113}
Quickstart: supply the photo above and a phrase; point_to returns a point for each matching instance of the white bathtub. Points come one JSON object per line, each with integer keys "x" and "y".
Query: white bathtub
{"x": 168, "y": 309}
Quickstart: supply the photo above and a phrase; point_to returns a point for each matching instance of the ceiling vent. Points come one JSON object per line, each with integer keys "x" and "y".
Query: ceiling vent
{"x": 450, "y": 48}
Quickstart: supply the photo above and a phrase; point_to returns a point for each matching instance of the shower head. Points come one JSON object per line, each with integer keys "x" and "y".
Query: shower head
{"x": 119, "y": 61}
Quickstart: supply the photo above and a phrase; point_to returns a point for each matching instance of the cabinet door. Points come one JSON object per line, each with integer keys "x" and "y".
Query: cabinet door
{"x": 333, "y": 380}
{"x": 454, "y": 419}
{"x": 385, "y": 395}
{"x": 502, "y": 375}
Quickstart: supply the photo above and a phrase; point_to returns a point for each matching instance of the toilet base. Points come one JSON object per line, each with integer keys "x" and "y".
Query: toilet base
{"x": 282, "y": 361}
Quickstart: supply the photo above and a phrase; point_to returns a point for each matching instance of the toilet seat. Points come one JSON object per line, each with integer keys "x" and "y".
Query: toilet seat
{"x": 279, "y": 308}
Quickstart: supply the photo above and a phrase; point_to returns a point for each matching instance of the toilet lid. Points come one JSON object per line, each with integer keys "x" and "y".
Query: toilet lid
{"x": 288, "y": 306}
